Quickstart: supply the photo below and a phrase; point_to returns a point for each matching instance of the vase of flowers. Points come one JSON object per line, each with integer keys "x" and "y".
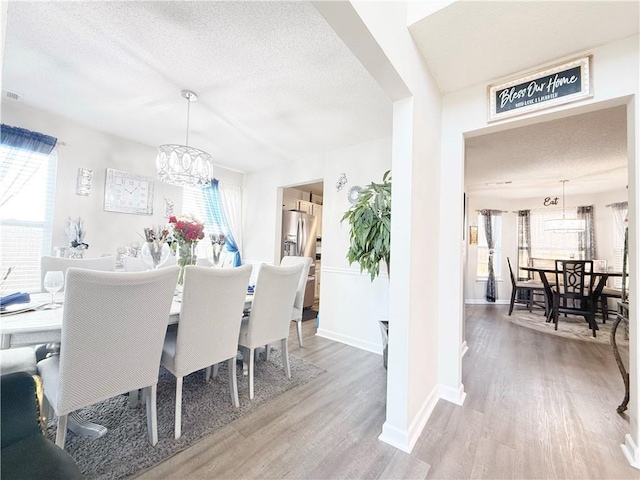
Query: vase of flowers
{"x": 217, "y": 245}
{"x": 75, "y": 233}
{"x": 155, "y": 251}
{"x": 187, "y": 231}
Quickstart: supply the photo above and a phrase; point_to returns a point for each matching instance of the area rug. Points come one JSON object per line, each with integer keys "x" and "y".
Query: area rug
{"x": 570, "y": 326}
{"x": 206, "y": 407}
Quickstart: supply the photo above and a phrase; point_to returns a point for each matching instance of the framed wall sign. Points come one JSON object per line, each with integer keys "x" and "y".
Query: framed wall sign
{"x": 128, "y": 193}
{"x": 554, "y": 85}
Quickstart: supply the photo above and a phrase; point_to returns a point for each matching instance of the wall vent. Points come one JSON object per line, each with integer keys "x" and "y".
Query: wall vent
{"x": 16, "y": 97}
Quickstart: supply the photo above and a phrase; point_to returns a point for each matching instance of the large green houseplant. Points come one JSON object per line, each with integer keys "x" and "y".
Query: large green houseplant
{"x": 370, "y": 234}
{"x": 370, "y": 227}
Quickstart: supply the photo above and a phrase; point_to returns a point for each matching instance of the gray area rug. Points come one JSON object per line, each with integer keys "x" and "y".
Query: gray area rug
{"x": 570, "y": 326}
{"x": 206, "y": 407}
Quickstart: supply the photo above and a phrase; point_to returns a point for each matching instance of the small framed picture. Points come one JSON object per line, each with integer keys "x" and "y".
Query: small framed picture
{"x": 473, "y": 235}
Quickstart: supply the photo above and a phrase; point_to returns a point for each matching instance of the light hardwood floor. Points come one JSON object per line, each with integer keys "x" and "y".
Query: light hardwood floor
{"x": 537, "y": 407}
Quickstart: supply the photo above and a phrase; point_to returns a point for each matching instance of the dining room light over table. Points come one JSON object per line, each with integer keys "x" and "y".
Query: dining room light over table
{"x": 182, "y": 165}
{"x": 564, "y": 225}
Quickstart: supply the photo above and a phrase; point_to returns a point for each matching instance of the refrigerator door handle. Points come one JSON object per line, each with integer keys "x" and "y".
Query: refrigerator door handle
{"x": 299, "y": 238}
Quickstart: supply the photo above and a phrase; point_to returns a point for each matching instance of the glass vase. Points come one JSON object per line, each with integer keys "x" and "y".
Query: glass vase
{"x": 186, "y": 256}
{"x": 155, "y": 253}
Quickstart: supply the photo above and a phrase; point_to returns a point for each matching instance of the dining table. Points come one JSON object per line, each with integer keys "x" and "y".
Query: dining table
{"x": 35, "y": 318}
{"x": 601, "y": 278}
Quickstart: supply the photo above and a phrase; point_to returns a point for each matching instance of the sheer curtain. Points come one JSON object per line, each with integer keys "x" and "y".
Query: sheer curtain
{"x": 231, "y": 197}
{"x": 491, "y": 291}
{"x": 587, "y": 241}
{"x": 524, "y": 242}
{"x": 216, "y": 216}
{"x": 17, "y": 168}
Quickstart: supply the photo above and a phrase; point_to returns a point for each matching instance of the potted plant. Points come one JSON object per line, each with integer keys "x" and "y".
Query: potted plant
{"x": 370, "y": 234}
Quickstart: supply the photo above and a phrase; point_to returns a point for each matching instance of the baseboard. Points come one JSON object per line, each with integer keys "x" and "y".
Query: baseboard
{"x": 453, "y": 395}
{"x": 631, "y": 451}
{"x": 479, "y": 301}
{"x": 405, "y": 440}
{"x": 348, "y": 340}
{"x": 464, "y": 349}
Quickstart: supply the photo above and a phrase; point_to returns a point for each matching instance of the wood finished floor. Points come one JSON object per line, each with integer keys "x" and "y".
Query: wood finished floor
{"x": 537, "y": 406}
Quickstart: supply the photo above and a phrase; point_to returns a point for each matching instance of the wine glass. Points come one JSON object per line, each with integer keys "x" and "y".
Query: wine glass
{"x": 53, "y": 281}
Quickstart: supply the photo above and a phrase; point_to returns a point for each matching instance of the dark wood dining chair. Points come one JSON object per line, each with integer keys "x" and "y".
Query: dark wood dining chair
{"x": 573, "y": 291}
{"x": 528, "y": 287}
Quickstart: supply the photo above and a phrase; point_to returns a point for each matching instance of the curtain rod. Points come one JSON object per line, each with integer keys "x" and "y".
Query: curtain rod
{"x": 501, "y": 211}
{"x": 614, "y": 203}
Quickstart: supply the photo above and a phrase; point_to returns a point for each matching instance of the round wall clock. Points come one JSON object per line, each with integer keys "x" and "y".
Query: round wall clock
{"x": 354, "y": 194}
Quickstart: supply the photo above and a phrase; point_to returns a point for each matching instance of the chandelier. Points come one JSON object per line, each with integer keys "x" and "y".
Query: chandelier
{"x": 183, "y": 165}
{"x": 563, "y": 225}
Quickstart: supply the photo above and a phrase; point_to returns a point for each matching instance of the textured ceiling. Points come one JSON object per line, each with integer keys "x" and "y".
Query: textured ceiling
{"x": 589, "y": 150}
{"x": 274, "y": 81}
{"x": 470, "y": 42}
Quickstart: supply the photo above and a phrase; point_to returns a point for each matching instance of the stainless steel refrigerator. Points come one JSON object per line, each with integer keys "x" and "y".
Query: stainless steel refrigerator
{"x": 298, "y": 234}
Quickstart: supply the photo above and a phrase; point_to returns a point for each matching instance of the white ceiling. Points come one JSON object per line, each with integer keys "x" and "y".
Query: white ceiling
{"x": 589, "y": 150}
{"x": 474, "y": 42}
{"x": 470, "y": 42}
{"x": 275, "y": 83}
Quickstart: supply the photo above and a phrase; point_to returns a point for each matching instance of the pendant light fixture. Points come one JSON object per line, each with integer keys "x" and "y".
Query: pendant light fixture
{"x": 183, "y": 165}
{"x": 564, "y": 225}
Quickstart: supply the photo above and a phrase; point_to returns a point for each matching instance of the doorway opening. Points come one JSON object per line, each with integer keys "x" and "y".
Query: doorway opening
{"x": 304, "y": 238}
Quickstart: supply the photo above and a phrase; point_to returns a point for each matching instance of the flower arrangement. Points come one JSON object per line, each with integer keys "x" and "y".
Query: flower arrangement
{"x": 187, "y": 230}
{"x": 159, "y": 234}
{"x": 217, "y": 242}
{"x": 75, "y": 233}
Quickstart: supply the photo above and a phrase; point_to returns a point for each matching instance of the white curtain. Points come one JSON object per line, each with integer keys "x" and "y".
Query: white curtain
{"x": 619, "y": 216}
{"x": 231, "y": 197}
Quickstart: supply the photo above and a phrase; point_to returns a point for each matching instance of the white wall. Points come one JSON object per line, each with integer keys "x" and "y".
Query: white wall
{"x": 88, "y": 148}
{"x": 412, "y": 380}
{"x": 615, "y": 82}
{"x": 603, "y": 218}
{"x": 350, "y": 305}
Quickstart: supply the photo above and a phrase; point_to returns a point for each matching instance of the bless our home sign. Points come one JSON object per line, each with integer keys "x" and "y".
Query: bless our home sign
{"x": 552, "y": 86}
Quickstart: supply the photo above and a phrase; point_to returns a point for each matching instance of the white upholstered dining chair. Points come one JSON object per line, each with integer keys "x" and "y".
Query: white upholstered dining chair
{"x": 207, "y": 334}
{"x": 298, "y": 306}
{"x": 113, "y": 329}
{"x": 270, "y": 315}
{"x": 48, "y": 263}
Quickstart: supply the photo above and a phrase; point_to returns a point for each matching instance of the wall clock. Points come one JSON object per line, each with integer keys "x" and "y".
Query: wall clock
{"x": 128, "y": 193}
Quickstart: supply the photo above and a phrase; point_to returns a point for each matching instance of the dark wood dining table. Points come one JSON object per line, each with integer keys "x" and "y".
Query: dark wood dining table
{"x": 601, "y": 282}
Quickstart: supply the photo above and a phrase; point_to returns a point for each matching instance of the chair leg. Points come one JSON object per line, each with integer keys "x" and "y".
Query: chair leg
{"x": 252, "y": 353}
{"x": 61, "y": 434}
{"x": 133, "y": 398}
{"x": 152, "y": 414}
{"x": 605, "y": 309}
{"x": 266, "y": 353}
{"x": 513, "y": 300}
{"x": 556, "y": 306}
{"x": 215, "y": 370}
{"x": 233, "y": 382}
{"x": 207, "y": 374}
{"x": 299, "y": 327}
{"x": 178, "y": 423}
{"x": 285, "y": 357}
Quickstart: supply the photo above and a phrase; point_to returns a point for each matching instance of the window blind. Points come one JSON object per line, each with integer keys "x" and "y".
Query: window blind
{"x": 26, "y": 218}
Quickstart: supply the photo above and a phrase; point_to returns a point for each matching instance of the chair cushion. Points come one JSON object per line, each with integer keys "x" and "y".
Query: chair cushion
{"x": 18, "y": 360}
{"x": 612, "y": 292}
{"x": 36, "y": 457}
{"x": 530, "y": 284}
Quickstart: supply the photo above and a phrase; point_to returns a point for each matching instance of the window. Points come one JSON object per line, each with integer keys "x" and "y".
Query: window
{"x": 554, "y": 245}
{"x": 26, "y": 216}
{"x": 619, "y": 212}
{"x": 483, "y": 249}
